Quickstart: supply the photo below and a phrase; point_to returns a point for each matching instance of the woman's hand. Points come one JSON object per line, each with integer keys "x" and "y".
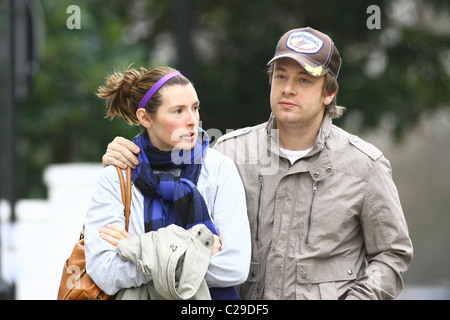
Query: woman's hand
{"x": 217, "y": 245}
{"x": 113, "y": 234}
{"x": 122, "y": 153}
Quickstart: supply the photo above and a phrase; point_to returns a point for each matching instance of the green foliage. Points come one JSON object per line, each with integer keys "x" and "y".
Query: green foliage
{"x": 63, "y": 121}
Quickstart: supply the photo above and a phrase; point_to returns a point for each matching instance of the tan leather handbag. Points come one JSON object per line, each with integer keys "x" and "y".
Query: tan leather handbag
{"x": 75, "y": 282}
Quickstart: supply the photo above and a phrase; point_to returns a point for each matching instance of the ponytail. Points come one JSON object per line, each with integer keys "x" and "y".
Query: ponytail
{"x": 124, "y": 90}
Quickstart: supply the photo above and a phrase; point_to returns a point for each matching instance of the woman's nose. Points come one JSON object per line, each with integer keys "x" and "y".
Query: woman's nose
{"x": 191, "y": 118}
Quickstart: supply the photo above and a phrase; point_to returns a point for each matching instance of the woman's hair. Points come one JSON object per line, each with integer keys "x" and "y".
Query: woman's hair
{"x": 330, "y": 85}
{"x": 124, "y": 90}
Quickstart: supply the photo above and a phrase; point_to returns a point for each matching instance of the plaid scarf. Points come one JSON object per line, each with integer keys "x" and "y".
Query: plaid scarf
{"x": 170, "y": 199}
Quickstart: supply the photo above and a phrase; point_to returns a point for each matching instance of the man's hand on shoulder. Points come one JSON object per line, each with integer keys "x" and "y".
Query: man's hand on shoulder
{"x": 121, "y": 152}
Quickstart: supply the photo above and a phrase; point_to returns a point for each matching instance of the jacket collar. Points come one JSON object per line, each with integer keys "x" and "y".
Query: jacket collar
{"x": 324, "y": 132}
{"x": 273, "y": 138}
{"x": 317, "y": 161}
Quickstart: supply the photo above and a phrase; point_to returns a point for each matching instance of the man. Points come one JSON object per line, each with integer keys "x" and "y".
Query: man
{"x": 325, "y": 216}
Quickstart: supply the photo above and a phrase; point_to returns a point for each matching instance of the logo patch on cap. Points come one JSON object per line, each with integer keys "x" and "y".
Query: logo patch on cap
{"x": 304, "y": 42}
{"x": 315, "y": 71}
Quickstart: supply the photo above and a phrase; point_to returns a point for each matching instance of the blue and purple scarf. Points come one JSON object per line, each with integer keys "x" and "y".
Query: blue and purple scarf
{"x": 170, "y": 199}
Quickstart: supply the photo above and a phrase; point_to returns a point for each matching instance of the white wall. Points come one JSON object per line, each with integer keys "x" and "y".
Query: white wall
{"x": 35, "y": 248}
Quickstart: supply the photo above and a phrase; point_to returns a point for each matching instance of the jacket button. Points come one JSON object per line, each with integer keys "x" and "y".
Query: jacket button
{"x": 316, "y": 174}
{"x": 304, "y": 275}
{"x": 328, "y": 169}
{"x": 349, "y": 272}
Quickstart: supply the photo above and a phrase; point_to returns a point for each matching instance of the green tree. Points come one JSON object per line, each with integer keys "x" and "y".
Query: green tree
{"x": 62, "y": 120}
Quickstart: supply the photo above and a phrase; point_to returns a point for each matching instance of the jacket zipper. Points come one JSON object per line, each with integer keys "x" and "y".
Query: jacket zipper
{"x": 261, "y": 185}
{"x": 314, "y": 190}
{"x": 174, "y": 248}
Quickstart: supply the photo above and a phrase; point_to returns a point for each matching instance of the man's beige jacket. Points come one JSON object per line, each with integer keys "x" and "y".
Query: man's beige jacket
{"x": 330, "y": 226}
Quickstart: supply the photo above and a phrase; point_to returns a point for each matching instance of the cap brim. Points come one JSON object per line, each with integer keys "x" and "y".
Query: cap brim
{"x": 314, "y": 69}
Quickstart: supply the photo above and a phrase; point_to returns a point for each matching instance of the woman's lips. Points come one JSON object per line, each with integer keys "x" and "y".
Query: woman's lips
{"x": 189, "y": 136}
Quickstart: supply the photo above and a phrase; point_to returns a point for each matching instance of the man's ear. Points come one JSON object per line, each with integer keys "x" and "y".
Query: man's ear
{"x": 329, "y": 97}
{"x": 144, "y": 118}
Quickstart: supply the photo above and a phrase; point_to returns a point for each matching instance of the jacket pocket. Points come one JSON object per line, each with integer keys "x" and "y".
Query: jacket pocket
{"x": 317, "y": 278}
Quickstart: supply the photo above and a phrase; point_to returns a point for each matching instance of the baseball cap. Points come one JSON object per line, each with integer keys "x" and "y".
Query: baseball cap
{"x": 314, "y": 50}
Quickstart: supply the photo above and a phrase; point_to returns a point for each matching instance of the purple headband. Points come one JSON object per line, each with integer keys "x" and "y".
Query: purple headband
{"x": 156, "y": 87}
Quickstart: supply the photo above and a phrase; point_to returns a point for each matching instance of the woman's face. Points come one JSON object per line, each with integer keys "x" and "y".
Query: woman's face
{"x": 175, "y": 123}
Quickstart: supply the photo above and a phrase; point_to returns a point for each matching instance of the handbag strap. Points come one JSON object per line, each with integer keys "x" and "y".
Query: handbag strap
{"x": 125, "y": 189}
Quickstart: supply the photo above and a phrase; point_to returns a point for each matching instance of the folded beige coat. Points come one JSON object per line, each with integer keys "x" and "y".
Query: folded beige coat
{"x": 175, "y": 258}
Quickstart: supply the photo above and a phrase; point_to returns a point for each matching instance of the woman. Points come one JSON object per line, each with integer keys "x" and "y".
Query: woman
{"x": 175, "y": 153}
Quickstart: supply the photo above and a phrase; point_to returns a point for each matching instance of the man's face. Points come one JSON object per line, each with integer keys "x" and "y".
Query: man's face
{"x": 296, "y": 97}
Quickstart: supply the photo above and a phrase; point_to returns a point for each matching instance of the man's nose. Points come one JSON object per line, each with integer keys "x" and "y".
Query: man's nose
{"x": 289, "y": 88}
